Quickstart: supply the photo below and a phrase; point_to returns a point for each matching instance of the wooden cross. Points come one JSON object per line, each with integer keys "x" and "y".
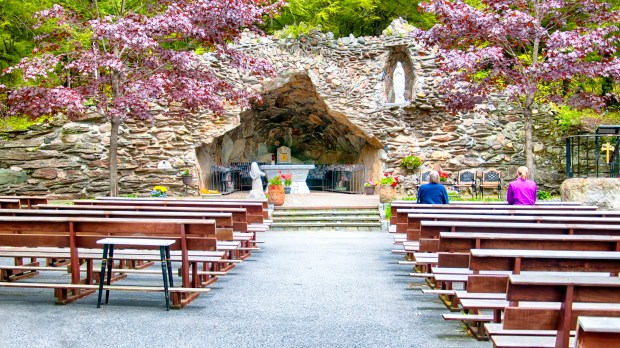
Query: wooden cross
{"x": 607, "y": 147}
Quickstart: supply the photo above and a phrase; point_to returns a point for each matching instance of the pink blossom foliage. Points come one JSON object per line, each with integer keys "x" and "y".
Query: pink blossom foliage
{"x": 131, "y": 64}
{"x": 490, "y": 48}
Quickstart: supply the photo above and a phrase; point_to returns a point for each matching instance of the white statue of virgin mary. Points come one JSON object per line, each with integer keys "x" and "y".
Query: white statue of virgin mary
{"x": 257, "y": 183}
{"x": 398, "y": 84}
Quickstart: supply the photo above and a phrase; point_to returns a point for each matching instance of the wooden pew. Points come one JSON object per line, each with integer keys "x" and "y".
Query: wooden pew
{"x": 431, "y": 229}
{"x": 8, "y": 203}
{"x": 594, "y": 332}
{"x": 75, "y": 233}
{"x": 239, "y": 215}
{"x": 413, "y": 223}
{"x": 576, "y": 295}
{"x": 499, "y": 263}
{"x": 223, "y": 222}
{"x": 264, "y": 202}
{"x": 254, "y": 209}
{"x": 400, "y": 212}
{"x": 28, "y": 201}
{"x": 465, "y": 241}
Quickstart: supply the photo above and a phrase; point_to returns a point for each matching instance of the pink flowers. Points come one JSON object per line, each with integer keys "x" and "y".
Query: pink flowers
{"x": 288, "y": 178}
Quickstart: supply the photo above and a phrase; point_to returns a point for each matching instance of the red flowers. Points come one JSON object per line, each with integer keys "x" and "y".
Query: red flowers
{"x": 388, "y": 179}
{"x": 443, "y": 176}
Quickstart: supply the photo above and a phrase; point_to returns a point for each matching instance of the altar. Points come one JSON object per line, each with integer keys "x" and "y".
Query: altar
{"x": 299, "y": 171}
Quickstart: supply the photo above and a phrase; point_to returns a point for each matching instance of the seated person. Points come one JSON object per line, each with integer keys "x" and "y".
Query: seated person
{"x": 433, "y": 192}
{"x": 522, "y": 191}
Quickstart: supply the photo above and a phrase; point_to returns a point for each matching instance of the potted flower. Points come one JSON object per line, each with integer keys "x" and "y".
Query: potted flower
{"x": 186, "y": 177}
{"x": 410, "y": 162}
{"x": 159, "y": 191}
{"x": 206, "y": 193}
{"x": 288, "y": 180}
{"x": 275, "y": 191}
{"x": 369, "y": 187}
{"x": 387, "y": 191}
{"x": 443, "y": 176}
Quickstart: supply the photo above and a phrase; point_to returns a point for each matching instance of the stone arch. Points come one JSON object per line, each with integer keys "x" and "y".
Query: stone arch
{"x": 399, "y": 54}
{"x": 293, "y": 114}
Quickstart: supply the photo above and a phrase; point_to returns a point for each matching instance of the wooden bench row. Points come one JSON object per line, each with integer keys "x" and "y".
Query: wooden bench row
{"x": 74, "y": 236}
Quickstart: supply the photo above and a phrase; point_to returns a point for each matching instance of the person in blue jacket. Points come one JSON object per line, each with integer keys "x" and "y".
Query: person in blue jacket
{"x": 433, "y": 192}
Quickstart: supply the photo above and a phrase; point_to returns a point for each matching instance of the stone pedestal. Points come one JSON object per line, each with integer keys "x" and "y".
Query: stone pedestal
{"x": 299, "y": 171}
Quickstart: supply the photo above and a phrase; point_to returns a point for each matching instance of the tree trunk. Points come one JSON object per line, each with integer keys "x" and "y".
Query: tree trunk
{"x": 529, "y": 149}
{"x": 116, "y": 123}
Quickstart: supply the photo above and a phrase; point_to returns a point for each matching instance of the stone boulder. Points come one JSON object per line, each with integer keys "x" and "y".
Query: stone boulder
{"x": 602, "y": 192}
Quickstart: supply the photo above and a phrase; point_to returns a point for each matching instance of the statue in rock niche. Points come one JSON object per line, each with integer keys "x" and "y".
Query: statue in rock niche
{"x": 398, "y": 84}
{"x": 257, "y": 183}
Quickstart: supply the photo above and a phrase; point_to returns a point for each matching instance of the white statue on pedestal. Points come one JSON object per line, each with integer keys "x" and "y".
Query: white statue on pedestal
{"x": 257, "y": 183}
{"x": 398, "y": 84}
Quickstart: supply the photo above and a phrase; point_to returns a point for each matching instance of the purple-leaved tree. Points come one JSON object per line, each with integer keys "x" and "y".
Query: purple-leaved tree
{"x": 533, "y": 51}
{"x": 134, "y": 58}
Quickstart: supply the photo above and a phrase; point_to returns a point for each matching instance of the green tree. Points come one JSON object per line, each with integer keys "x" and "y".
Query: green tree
{"x": 344, "y": 17}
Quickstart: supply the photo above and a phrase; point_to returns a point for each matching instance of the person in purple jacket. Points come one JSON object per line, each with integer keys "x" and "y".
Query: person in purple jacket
{"x": 522, "y": 191}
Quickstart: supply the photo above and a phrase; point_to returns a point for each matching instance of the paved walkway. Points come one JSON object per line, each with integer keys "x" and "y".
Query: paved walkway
{"x": 304, "y": 289}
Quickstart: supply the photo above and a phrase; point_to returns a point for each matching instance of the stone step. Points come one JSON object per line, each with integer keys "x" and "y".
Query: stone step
{"x": 366, "y": 207}
{"x": 324, "y": 212}
{"x": 323, "y": 218}
{"x": 344, "y": 226}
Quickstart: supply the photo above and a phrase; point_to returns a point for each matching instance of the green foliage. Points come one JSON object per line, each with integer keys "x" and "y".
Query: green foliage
{"x": 20, "y": 123}
{"x": 275, "y": 181}
{"x": 543, "y": 195}
{"x": 388, "y": 210}
{"x": 411, "y": 162}
{"x": 344, "y": 17}
{"x": 409, "y": 198}
{"x": 130, "y": 195}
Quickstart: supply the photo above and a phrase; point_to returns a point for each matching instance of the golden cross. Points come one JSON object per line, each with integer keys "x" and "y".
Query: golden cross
{"x": 607, "y": 147}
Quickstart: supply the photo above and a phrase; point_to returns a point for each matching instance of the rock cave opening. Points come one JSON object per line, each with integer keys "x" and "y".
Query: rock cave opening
{"x": 292, "y": 114}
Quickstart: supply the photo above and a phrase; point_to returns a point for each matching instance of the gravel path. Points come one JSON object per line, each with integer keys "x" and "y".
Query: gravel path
{"x": 304, "y": 289}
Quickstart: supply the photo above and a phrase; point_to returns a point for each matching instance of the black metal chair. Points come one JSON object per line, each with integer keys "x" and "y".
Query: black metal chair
{"x": 491, "y": 179}
{"x": 466, "y": 179}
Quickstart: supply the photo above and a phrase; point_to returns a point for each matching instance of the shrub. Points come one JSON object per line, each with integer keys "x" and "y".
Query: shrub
{"x": 275, "y": 181}
{"x": 543, "y": 195}
{"x": 410, "y": 162}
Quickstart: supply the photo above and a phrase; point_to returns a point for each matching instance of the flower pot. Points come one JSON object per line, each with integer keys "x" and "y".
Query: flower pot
{"x": 187, "y": 179}
{"x": 275, "y": 195}
{"x": 287, "y": 189}
{"x": 369, "y": 190}
{"x": 387, "y": 193}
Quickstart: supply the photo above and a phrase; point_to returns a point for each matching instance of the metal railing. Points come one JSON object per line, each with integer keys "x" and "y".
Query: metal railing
{"x": 594, "y": 155}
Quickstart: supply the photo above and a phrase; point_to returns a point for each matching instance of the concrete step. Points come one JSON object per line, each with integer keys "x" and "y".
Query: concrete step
{"x": 317, "y": 218}
{"x": 369, "y": 218}
{"x": 310, "y": 212}
{"x": 338, "y": 226}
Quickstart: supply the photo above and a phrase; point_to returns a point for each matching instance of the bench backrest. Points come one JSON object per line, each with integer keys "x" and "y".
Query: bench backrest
{"x": 254, "y": 210}
{"x": 465, "y": 241}
{"x": 431, "y": 229}
{"x": 399, "y": 211}
{"x": 8, "y": 203}
{"x": 262, "y": 201}
{"x": 517, "y": 261}
{"x": 221, "y": 219}
{"x": 239, "y": 215}
{"x": 28, "y": 201}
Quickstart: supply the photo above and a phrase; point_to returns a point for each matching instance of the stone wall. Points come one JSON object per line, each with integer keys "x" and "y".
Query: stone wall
{"x": 350, "y": 77}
